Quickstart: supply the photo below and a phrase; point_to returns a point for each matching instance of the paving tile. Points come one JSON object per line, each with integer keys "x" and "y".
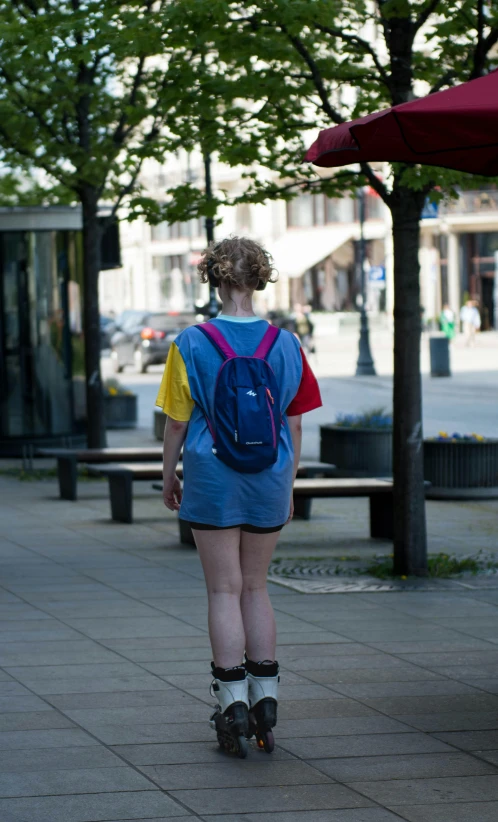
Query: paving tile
{"x": 159, "y": 732}
{"x": 67, "y": 781}
{"x": 376, "y": 744}
{"x": 383, "y": 690}
{"x": 38, "y": 759}
{"x": 434, "y": 704}
{"x": 172, "y": 642}
{"x": 52, "y": 654}
{"x": 436, "y": 723}
{"x": 43, "y": 632}
{"x": 463, "y": 812}
{"x": 344, "y": 815}
{"x": 91, "y": 807}
{"x": 23, "y": 702}
{"x": 295, "y": 728}
{"x": 232, "y": 773}
{"x": 399, "y": 673}
{"x": 431, "y": 646}
{"x": 467, "y": 673}
{"x": 431, "y": 791}
{"x": 84, "y": 670}
{"x": 60, "y": 738}
{"x": 152, "y": 655}
{"x": 181, "y": 667}
{"x": 294, "y": 653}
{"x": 12, "y": 688}
{"x": 322, "y": 709}
{"x": 471, "y": 740}
{"x": 489, "y": 685}
{"x": 439, "y": 660}
{"x": 190, "y": 711}
{"x": 335, "y": 662}
{"x": 175, "y": 753}
{"x": 33, "y": 721}
{"x": 414, "y": 766}
{"x": 132, "y": 627}
{"x": 268, "y": 800}
{"x": 98, "y": 684}
{"x": 120, "y": 699}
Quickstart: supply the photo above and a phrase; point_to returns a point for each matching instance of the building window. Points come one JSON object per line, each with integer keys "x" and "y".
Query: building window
{"x": 307, "y": 210}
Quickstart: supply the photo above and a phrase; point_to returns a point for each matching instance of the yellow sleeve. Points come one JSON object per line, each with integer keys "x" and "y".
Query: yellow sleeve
{"x": 174, "y": 393}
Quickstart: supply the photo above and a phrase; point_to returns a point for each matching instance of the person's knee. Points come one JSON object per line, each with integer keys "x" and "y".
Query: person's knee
{"x": 251, "y": 585}
{"x": 231, "y": 586}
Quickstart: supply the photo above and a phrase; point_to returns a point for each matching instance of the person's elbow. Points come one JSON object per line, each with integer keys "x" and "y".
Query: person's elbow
{"x": 296, "y": 424}
{"x": 177, "y": 427}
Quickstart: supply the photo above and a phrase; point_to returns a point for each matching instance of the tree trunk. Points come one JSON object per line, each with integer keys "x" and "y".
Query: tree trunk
{"x": 410, "y": 539}
{"x": 92, "y": 233}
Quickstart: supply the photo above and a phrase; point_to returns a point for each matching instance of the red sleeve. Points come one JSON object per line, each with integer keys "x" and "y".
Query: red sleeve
{"x": 308, "y": 396}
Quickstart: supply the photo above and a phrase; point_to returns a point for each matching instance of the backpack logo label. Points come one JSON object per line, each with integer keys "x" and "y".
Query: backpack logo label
{"x": 251, "y": 393}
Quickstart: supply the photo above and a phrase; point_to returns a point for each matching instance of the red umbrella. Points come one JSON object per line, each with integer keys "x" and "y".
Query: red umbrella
{"x": 456, "y": 128}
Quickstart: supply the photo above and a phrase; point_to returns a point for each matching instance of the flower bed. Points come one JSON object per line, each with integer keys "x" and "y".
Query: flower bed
{"x": 461, "y": 466}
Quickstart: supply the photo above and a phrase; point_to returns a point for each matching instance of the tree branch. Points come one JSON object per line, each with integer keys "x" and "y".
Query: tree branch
{"x": 377, "y": 185}
{"x": 425, "y": 14}
{"x": 363, "y": 44}
{"x": 301, "y": 49}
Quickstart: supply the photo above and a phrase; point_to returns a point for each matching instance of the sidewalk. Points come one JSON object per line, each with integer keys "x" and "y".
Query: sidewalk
{"x": 389, "y": 702}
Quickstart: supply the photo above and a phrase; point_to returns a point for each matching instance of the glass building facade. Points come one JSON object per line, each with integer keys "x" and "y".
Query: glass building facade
{"x": 41, "y": 328}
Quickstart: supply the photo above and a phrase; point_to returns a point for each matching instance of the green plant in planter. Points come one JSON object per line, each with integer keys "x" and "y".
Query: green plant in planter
{"x": 375, "y": 418}
{"x": 113, "y": 388}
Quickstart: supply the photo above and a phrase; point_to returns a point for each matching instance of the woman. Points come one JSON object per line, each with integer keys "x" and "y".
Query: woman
{"x": 235, "y": 517}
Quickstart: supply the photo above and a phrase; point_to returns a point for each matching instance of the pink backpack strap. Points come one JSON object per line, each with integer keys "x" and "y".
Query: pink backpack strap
{"x": 267, "y": 343}
{"x": 218, "y": 340}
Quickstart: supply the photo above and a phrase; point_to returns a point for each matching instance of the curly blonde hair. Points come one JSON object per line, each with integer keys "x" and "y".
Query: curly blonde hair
{"x": 239, "y": 262}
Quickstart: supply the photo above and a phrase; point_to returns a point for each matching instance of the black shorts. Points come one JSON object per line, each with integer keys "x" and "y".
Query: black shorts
{"x": 250, "y": 529}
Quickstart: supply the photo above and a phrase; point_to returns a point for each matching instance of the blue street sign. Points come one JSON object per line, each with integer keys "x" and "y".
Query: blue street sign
{"x": 377, "y": 274}
{"x": 430, "y": 210}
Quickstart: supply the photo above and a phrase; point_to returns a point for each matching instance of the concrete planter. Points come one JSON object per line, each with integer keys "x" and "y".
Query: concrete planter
{"x": 460, "y": 469}
{"x": 121, "y": 411}
{"x": 357, "y": 452}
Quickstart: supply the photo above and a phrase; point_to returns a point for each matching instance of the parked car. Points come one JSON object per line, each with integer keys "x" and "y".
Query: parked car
{"x": 143, "y": 338}
{"x": 107, "y": 329}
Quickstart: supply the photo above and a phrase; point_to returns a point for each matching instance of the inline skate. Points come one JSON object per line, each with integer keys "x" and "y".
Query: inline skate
{"x": 230, "y": 720}
{"x": 262, "y": 680}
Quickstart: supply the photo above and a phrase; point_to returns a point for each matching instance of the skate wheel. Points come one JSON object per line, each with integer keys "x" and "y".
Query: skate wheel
{"x": 242, "y": 747}
{"x": 266, "y": 741}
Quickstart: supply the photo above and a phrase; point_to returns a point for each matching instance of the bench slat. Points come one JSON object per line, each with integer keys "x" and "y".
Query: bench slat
{"x": 341, "y": 487}
{"x": 99, "y": 455}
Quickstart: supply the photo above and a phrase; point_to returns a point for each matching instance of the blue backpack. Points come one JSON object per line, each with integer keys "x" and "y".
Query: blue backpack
{"x": 247, "y": 416}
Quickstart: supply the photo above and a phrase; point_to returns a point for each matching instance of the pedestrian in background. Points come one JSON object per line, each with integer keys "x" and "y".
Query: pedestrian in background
{"x": 447, "y": 322}
{"x": 471, "y": 321}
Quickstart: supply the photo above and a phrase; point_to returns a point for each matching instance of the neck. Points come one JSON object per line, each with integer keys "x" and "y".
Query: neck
{"x": 237, "y": 304}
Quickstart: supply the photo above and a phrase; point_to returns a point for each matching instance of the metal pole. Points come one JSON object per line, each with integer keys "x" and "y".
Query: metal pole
{"x": 213, "y": 302}
{"x": 365, "y": 364}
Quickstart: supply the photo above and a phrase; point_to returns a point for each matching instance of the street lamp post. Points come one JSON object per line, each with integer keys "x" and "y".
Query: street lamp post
{"x": 365, "y": 364}
{"x": 213, "y": 302}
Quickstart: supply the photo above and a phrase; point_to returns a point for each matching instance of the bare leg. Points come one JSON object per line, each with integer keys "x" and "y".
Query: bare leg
{"x": 257, "y": 612}
{"x": 220, "y": 557}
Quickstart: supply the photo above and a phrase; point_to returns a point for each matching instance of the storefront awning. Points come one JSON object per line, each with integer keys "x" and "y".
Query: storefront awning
{"x": 301, "y": 248}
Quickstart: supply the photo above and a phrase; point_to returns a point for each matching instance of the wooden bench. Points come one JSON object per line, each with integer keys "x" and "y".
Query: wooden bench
{"x": 68, "y": 459}
{"x": 379, "y": 492}
{"x": 121, "y": 476}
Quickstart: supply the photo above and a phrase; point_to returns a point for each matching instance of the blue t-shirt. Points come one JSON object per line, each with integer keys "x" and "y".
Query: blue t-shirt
{"x": 213, "y": 493}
